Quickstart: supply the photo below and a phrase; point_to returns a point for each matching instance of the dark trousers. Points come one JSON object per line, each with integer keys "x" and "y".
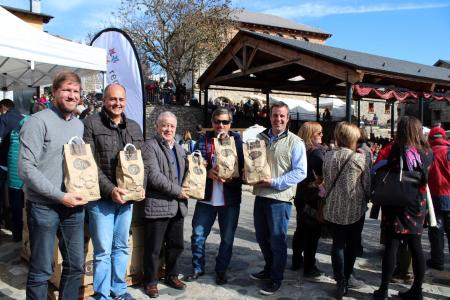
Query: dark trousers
{"x": 391, "y": 246}
{"x": 16, "y": 206}
{"x": 311, "y": 234}
{"x": 345, "y": 248}
{"x": 3, "y": 179}
{"x": 298, "y": 238}
{"x": 157, "y": 232}
{"x": 436, "y": 237}
{"x": 45, "y": 222}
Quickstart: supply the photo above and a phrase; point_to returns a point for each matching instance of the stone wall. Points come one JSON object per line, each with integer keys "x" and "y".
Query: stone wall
{"x": 187, "y": 117}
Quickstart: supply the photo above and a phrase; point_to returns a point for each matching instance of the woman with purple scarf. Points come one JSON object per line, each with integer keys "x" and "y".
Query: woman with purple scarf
{"x": 405, "y": 223}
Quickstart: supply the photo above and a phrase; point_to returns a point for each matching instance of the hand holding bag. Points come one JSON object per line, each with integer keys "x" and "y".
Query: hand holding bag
{"x": 195, "y": 178}
{"x": 256, "y": 167}
{"x": 80, "y": 170}
{"x": 130, "y": 173}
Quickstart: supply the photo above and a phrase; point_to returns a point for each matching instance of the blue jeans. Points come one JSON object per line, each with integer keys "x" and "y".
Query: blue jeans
{"x": 109, "y": 225}
{"x": 202, "y": 221}
{"x": 44, "y": 223}
{"x": 271, "y": 219}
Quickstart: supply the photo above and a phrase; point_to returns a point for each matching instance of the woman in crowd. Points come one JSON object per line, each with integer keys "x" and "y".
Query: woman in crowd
{"x": 307, "y": 233}
{"x": 405, "y": 223}
{"x": 347, "y": 182}
{"x": 187, "y": 142}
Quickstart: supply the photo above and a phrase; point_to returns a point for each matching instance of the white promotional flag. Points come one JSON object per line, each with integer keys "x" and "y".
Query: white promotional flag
{"x": 123, "y": 67}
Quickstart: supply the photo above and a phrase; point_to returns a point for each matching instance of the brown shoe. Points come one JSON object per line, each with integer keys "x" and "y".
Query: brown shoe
{"x": 151, "y": 290}
{"x": 175, "y": 283}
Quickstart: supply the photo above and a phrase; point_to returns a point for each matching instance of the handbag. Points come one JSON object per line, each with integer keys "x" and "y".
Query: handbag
{"x": 397, "y": 188}
{"x": 322, "y": 202}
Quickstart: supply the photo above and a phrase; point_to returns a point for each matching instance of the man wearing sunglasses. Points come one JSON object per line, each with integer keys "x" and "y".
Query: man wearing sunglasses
{"x": 222, "y": 200}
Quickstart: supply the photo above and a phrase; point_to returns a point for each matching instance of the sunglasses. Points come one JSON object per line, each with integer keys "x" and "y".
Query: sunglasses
{"x": 223, "y": 122}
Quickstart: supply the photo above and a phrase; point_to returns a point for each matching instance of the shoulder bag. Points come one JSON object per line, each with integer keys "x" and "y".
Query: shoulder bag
{"x": 397, "y": 188}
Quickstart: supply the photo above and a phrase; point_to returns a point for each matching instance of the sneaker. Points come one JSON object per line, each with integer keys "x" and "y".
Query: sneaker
{"x": 312, "y": 274}
{"x": 270, "y": 288}
{"x": 260, "y": 276}
{"x": 125, "y": 296}
{"x": 355, "y": 283}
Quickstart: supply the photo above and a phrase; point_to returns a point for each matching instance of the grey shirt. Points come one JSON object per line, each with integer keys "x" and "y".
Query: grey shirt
{"x": 41, "y": 154}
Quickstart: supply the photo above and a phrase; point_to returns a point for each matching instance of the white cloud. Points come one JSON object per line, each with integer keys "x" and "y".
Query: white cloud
{"x": 312, "y": 9}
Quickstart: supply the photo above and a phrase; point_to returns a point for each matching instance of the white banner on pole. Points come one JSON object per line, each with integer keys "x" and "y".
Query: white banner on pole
{"x": 123, "y": 67}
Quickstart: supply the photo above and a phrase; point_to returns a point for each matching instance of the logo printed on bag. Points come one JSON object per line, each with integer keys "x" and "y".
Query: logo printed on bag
{"x": 197, "y": 171}
{"x": 81, "y": 164}
{"x": 134, "y": 169}
{"x": 226, "y": 152}
{"x": 255, "y": 154}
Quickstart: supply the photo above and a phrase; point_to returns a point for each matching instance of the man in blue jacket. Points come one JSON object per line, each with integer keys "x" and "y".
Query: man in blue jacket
{"x": 9, "y": 120}
{"x": 223, "y": 199}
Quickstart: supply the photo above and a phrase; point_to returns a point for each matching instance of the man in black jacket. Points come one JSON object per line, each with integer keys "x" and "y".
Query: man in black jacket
{"x": 110, "y": 217}
{"x": 223, "y": 200}
{"x": 165, "y": 204}
{"x": 9, "y": 120}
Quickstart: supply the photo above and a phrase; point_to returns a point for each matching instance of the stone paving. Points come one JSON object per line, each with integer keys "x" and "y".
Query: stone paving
{"x": 246, "y": 259}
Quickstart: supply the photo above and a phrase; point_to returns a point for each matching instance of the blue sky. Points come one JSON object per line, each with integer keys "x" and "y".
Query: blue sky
{"x": 414, "y": 30}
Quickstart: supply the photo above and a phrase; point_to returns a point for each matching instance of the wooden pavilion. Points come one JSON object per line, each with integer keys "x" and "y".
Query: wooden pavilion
{"x": 271, "y": 63}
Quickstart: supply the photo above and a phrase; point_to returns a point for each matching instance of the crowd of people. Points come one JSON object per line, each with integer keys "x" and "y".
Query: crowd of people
{"x": 330, "y": 188}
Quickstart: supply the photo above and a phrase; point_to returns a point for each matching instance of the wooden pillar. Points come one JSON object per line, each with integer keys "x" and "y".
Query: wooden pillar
{"x": 200, "y": 98}
{"x": 268, "y": 107}
{"x": 421, "y": 109}
{"x": 348, "y": 102}
{"x": 392, "y": 118}
{"x": 317, "y": 108}
{"x": 205, "y": 109}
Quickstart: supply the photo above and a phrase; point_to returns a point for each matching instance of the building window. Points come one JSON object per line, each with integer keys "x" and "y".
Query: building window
{"x": 305, "y": 39}
{"x": 387, "y": 108}
{"x": 293, "y": 37}
{"x": 279, "y": 34}
{"x": 371, "y": 108}
{"x": 266, "y": 32}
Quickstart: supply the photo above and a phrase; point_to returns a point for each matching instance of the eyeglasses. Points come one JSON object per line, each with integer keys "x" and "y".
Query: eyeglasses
{"x": 223, "y": 122}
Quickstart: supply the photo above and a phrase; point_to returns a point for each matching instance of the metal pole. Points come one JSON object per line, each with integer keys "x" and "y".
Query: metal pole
{"x": 348, "y": 102}
{"x": 392, "y": 118}
{"x": 359, "y": 112}
{"x": 317, "y": 108}
{"x": 421, "y": 109}
{"x": 205, "y": 109}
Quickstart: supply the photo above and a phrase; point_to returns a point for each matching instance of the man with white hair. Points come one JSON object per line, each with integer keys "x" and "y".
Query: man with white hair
{"x": 165, "y": 204}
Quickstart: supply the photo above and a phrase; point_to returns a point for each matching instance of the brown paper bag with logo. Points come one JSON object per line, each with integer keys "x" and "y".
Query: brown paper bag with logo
{"x": 256, "y": 167}
{"x": 80, "y": 170}
{"x": 130, "y": 173}
{"x": 195, "y": 178}
{"x": 225, "y": 155}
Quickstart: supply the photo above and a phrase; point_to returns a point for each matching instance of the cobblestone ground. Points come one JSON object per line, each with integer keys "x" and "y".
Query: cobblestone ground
{"x": 246, "y": 259}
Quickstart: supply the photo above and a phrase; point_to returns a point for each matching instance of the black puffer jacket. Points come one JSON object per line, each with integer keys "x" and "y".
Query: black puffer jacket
{"x": 163, "y": 180}
{"x": 106, "y": 140}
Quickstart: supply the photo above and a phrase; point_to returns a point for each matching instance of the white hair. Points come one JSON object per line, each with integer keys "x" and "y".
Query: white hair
{"x": 166, "y": 114}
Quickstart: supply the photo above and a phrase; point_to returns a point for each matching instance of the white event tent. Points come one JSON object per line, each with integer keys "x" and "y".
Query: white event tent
{"x": 30, "y": 57}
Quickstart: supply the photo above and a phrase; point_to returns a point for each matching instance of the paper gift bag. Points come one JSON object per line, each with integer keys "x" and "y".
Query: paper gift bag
{"x": 80, "y": 170}
{"x": 195, "y": 177}
{"x": 225, "y": 155}
{"x": 256, "y": 167}
{"x": 130, "y": 173}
